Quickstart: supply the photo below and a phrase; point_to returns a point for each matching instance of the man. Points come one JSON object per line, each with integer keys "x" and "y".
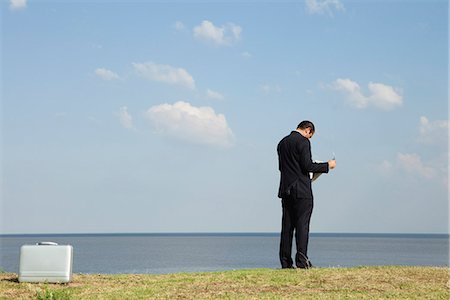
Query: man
{"x": 295, "y": 164}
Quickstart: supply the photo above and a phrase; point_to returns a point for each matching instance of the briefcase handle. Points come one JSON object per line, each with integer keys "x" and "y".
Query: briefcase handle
{"x": 47, "y": 244}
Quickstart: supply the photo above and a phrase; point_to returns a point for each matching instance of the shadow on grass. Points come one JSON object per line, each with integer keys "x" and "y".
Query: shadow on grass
{"x": 14, "y": 279}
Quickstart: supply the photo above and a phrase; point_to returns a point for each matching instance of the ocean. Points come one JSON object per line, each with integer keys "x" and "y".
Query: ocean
{"x": 197, "y": 252}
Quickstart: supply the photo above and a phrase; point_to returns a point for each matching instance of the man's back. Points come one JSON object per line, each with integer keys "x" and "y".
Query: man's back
{"x": 295, "y": 163}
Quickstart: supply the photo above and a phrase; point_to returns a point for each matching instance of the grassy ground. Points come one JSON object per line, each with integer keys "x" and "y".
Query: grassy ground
{"x": 319, "y": 283}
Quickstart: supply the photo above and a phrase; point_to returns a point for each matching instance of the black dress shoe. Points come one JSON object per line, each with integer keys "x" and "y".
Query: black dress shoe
{"x": 302, "y": 261}
{"x": 305, "y": 265}
{"x": 288, "y": 267}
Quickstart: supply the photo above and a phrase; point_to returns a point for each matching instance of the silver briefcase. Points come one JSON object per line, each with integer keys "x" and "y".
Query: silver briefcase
{"x": 46, "y": 262}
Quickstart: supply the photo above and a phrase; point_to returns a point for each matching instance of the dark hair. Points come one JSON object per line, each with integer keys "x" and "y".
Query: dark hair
{"x": 306, "y": 124}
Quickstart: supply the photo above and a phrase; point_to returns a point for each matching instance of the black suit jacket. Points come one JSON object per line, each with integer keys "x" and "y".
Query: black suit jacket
{"x": 295, "y": 164}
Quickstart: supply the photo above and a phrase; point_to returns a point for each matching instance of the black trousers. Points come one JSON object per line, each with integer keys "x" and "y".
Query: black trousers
{"x": 296, "y": 217}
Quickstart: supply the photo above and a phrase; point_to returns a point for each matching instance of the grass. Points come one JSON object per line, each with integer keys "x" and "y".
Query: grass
{"x": 49, "y": 294}
{"x": 319, "y": 283}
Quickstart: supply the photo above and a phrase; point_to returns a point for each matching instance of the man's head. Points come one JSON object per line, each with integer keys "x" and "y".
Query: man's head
{"x": 306, "y": 128}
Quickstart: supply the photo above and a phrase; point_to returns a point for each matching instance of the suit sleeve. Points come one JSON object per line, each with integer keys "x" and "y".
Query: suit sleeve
{"x": 308, "y": 165}
{"x": 279, "y": 158}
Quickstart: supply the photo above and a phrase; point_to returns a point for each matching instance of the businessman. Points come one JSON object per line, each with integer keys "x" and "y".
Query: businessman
{"x": 295, "y": 164}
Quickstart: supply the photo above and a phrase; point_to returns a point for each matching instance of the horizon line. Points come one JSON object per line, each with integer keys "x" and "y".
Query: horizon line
{"x": 219, "y": 233}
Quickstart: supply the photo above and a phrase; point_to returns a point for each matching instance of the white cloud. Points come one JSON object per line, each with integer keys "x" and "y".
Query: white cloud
{"x": 268, "y": 88}
{"x": 384, "y": 96}
{"x": 225, "y": 35}
{"x": 165, "y": 74}
{"x": 323, "y": 6}
{"x": 17, "y": 4}
{"x": 179, "y": 26}
{"x": 381, "y": 96}
{"x": 412, "y": 163}
{"x": 214, "y": 95}
{"x": 385, "y": 167}
{"x": 106, "y": 74}
{"x": 96, "y": 46}
{"x": 354, "y": 96}
{"x": 125, "y": 118}
{"x": 199, "y": 125}
{"x": 246, "y": 54}
{"x": 433, "y": 132}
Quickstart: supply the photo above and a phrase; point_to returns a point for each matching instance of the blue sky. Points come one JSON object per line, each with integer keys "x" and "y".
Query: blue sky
{"x": 164, "y": 117}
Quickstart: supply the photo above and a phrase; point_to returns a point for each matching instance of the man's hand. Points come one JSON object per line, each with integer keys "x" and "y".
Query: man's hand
{"x": 332, "y": 164}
